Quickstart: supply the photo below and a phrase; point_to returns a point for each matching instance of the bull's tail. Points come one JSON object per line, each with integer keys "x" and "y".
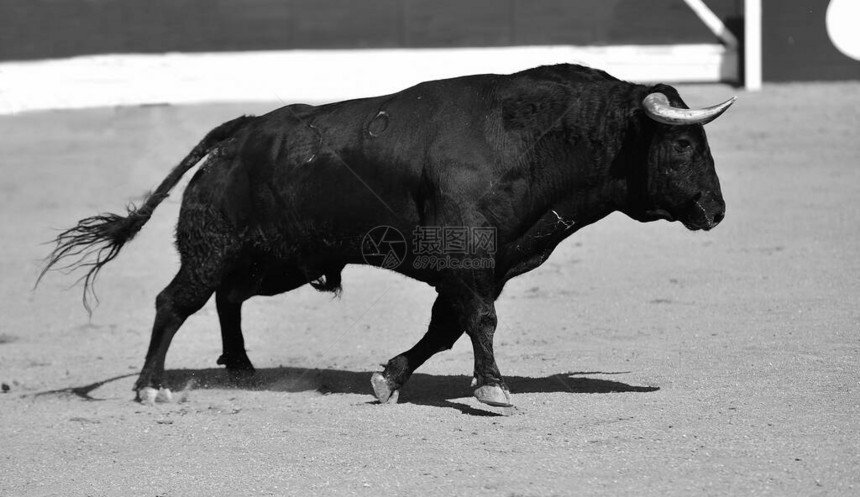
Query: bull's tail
{"x": 97, "y": 240}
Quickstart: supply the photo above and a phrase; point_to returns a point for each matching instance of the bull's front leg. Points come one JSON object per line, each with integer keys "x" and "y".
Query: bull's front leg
{"x": 491, "y": 388}
{"x": 443, "y": 332}
{"x": 462, "y": 305}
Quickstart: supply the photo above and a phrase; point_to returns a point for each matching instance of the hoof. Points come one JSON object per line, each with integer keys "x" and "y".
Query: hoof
{"x": 494, "y": 395}
{"x": 164, "y": 396}
{"x": 236, "y": 364}
{"x": 147, "y": 395}
{"x": 382, "y": 390}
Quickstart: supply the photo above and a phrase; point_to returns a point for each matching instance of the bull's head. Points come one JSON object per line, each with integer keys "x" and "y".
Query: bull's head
{"x": 681, "y": 182}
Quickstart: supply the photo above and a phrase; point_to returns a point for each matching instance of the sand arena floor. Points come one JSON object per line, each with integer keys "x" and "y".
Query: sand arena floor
{"x": 644, "y": 359}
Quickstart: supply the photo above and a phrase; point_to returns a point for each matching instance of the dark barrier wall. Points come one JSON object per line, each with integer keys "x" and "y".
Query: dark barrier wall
{"x": 797, "y": 46}
{"x": 38, "y": 29}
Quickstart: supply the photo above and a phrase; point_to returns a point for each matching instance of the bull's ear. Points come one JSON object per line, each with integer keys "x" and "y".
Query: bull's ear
{"x": 658, "y": 108}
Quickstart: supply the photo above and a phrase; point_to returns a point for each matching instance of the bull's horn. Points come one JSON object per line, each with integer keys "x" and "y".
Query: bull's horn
{"x": 658, "y": 108}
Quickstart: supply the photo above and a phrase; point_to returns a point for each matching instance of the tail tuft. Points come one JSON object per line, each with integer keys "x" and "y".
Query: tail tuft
{"x": 97, "y": 240}
{"x": 94, "y": 242}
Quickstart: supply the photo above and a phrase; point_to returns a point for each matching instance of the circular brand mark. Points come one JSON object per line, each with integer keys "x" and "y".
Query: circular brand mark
{"x": 383, "y": 246}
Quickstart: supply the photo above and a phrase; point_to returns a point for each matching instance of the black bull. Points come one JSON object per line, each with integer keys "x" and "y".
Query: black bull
{"x": 462, "y": 183}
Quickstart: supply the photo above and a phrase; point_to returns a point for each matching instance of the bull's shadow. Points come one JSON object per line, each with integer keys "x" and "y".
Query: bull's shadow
{"x": 423, "y": 389}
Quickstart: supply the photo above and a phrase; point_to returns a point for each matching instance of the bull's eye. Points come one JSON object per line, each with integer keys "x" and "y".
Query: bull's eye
{"x": 683, "y": 145}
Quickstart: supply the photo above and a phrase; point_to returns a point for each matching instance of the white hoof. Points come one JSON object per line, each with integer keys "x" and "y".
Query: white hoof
{"x": 382, "y": 391}
{"x": 147, "y": 395}
{"x": 164, "y": 396}
{"x": 493, "y": 395}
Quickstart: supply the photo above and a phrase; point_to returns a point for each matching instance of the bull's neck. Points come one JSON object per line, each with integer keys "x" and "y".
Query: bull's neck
{"x": 581, "y": 171}
{"x": 595, "y": 181}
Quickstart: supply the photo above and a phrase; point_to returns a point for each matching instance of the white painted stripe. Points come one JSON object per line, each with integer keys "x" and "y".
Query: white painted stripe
{"x": 714, "y": 23}
{"x": 317, "y": 76}
{"x": 752, "y": 45}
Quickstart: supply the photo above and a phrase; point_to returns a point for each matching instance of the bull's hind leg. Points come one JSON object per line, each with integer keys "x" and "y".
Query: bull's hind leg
{"x": 234, "y": 356}
{"x": 184, "y": 296}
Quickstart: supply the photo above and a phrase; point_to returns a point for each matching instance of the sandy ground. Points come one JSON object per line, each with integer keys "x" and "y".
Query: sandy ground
{"x": 644, "y": 359}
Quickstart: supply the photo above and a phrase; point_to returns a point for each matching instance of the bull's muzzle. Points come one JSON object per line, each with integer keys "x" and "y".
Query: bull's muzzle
{"x": 705, "y": 214}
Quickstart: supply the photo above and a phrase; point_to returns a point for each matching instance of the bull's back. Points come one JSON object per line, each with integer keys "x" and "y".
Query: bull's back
{"x": 336, "y": 171}
{"x": 356, "y": 164}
